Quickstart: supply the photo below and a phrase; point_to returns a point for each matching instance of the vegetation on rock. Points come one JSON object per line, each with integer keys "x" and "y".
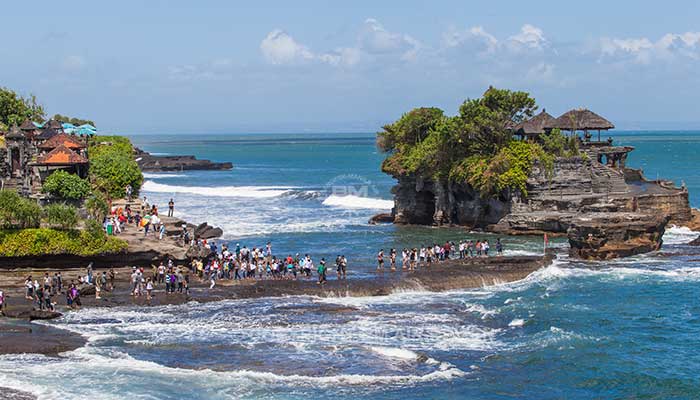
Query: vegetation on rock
{"x": 66, "y": 185}
{"x": 475, "y": 147}
{"x": 43, "y": 241}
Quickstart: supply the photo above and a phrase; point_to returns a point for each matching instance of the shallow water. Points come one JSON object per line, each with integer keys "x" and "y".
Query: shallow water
{"x": 623, "y": 329}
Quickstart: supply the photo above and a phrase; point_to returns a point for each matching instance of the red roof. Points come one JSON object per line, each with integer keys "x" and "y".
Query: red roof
{"x": 63, "y": 139}
{"x": 62, "y": 155}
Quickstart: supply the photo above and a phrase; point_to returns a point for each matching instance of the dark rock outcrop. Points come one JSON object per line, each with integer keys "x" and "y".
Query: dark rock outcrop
{"x": 381, "y": 218}
{"x": 206, "y": 231}
{"x": 151, "y": 163}
{"x": 611, "y": 235}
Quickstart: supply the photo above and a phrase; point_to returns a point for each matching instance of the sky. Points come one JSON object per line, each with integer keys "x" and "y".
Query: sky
{"x": 308, "y": 66}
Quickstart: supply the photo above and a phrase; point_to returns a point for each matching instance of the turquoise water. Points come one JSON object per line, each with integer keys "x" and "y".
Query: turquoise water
{"x": 623, "y": 329}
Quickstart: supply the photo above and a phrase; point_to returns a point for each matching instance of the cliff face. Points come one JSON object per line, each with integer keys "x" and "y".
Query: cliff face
{"x": 425, "y": 202}
{"x": 576, "y": 187}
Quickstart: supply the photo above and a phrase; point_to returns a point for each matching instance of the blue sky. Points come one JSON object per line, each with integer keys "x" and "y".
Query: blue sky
{"x": 225, "y": 66}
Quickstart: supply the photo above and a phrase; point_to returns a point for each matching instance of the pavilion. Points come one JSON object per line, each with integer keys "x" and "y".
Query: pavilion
{"x": 580, "y": 120}
{"x": 533, "y": 127}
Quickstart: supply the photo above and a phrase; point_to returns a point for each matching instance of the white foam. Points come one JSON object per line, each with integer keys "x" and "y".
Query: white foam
{"x": 351, "y": 201}
{"x": 393, "y": 352}
{"x": 517, "y": 322}
{"x": 260, "y": 192}
{"x": 679, "y": 235}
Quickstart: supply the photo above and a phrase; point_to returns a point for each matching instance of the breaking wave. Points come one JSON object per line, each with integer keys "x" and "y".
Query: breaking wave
{"x": 679, "y": 235}
{"x": 351, "y": 201}
{"x": 261, "y": 192}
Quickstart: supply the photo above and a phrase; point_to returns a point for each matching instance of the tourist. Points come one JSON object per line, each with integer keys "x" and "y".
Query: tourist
{"x": 322, "y": 271}
{"x": 380, "y": 259}
{"x": 392, "y": 259}
{"x": 98, "y": 289}
{"x": 74, "y": 295}
{"x": 129, "y": 191}
{"x": 59, "y": 282}
{"x": 2, "y": 303}
{"x": 171, "y": 207}
{"x": 29, "y": 294}
{"x": 112, "y": 276}
{"x": 149, "y": 289}
{"x": 499, "y": 247}
{"x": 161, "y": 231}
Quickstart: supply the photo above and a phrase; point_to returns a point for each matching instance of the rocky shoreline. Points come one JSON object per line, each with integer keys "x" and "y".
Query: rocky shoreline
{"x": 150, "y": 163}
{"x": 449, "y": 275}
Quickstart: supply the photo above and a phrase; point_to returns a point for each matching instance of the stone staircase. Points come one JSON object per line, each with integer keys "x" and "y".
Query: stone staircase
{"x": 607, "y": 180}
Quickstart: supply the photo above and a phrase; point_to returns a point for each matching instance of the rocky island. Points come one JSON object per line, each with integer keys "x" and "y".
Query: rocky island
{"x": 150, "y": 163}
{"x": 499, "y": 167}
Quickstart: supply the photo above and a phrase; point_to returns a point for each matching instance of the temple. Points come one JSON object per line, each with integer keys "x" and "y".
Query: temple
{"x": 31, "y": 152}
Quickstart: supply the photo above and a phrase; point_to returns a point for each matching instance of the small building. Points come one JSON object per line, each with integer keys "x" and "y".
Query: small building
{"x": 533, "y": 127}
{"x": 28, "y": 154}
{"x": 580, "y": 120}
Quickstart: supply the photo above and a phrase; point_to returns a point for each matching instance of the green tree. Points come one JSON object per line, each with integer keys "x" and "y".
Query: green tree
{"x": 112, "y": 170}
{"x": 66, "y": 185}
{"x": 15, "y": 109}
{"x": 61, "y": 215}
{"x": 74, "y": 121}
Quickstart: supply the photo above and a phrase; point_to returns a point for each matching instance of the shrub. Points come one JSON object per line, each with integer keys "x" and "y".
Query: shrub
{"x": 30, "y": 242}
{"x": 61, "y": 215}
{"x": 97, "y": 206}
{"x": 66, "y": 185}
{"x": 18, "y": 212}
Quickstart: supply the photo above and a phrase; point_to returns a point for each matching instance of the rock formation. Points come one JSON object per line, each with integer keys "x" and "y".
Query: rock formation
{"x": 151, "y": 163}
{"x": 577, "y": 187}
{"x": 611, "y": 235}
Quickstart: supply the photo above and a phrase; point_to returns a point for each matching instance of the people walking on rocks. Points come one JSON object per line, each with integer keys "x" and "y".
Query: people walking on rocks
{"x": 322, "y": 271}
{"x": 2, "y": 302}
{"x": 171, "y": 207}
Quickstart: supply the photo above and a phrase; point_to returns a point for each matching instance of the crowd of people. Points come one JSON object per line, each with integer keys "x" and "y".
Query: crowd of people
{"x": 145, "y": 218}
{"x": 242, "y": 263}
{"x": 412, "y": 258}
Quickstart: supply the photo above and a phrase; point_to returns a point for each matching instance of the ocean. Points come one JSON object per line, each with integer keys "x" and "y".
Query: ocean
{"x": 618, "y": 329}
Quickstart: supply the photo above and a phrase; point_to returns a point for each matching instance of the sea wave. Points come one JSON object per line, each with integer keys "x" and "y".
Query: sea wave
{"x": 351, "y": 201}
{"x": 679, "y": 235}
{"x": 218, "y": 191}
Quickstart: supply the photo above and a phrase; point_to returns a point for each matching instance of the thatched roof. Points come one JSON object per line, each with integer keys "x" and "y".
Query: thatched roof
{"x": 580, "y": 120}
{"x": 15, "y": 133}
{"x": 52, "y": 123}
{"x": 47, "y": 133}
{"x": 534, "y": 125}
{"x": 62, "y": 155}
{"x": 63, "y": 139}
{"x": 27, "y": 125}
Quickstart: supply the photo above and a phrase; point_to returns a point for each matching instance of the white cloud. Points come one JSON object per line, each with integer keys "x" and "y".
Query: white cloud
{"x": 73, "y": 63}
{"x": 644, "y": 51}
{"x": 375, "y": 39}
{"x": 529, "y": 37}
{"x": 280, "y": 48}
{"x": 479, "y": 40}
